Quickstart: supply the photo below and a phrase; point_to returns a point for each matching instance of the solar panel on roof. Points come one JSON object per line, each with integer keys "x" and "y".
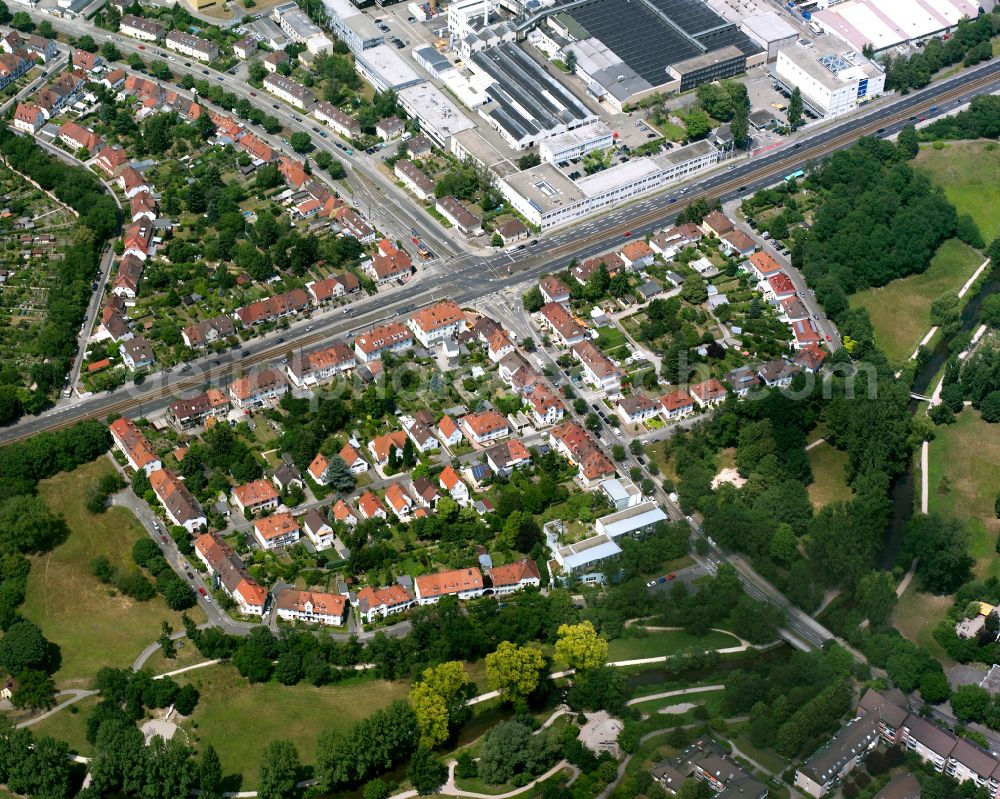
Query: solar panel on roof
{"x": 651, "y": 35}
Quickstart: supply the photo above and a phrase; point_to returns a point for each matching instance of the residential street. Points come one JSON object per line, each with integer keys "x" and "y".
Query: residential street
{"x": 826, "y": 328}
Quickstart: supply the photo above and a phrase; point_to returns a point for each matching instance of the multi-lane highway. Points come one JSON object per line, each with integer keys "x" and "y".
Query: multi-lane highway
{"x": 467, "y": 276}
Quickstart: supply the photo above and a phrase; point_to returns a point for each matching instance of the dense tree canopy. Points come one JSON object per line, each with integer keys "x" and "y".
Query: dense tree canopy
{"x": 879, "y": 220}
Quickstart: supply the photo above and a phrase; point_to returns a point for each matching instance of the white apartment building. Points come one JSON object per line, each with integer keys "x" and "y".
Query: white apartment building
{"x": 440, "y": 321}
{"x": 311, "y": 607}
{"x": 191, "y": 46}
{"x": 301, "y": 29}
{"x": 353, "y": 27}
{"x": 342, "y": 123}
{"x": 288, "y": 90}
{"x": 147, "y": 30}
{"x": 415, "y": 180}
{"x": 832, "y": 78}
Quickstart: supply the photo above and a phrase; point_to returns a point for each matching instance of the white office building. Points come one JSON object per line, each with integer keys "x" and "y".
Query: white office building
{"x": 548, "y": 198}
{"x": 354, "y": 28}
{"x": 299, "y": 28}
{"x": 576, "y": 143}
{"x": 832, "y": 78}
{"x": 584, "y": 559}
{"x": 439, "y": 117}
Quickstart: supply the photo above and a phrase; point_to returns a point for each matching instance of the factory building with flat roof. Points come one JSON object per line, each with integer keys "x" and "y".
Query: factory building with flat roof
{"x": 526, "y": 104}
{"x": 440, "y": 118}
{"x": 887, "y": 23}
{"x": 771, "y": 31}
{"x": 548, "y": 198}
{"x": 659, "y": 45}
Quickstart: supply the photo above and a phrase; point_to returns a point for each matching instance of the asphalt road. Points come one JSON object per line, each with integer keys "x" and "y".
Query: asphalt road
{"x": 104, "y": 267}
{"x": 468, "y": 276}
{"x": 393, "y": 211}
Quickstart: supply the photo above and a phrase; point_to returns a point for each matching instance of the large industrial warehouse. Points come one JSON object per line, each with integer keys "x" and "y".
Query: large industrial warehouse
{"x": 887, "y": 23}
{"x": 665, "y": 44}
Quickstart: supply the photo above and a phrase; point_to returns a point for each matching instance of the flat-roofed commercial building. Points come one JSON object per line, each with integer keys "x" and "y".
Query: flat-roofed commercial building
{"x": 546, "y": 197}
{"x": 576, "y": 143}
{"x": 526, "y": 104}
{"x": 301, "y": 29}
{"x": 440, "y": 118}
{"x": 887, "y": 23}
{"x": 770, "y": 30}
{"x": 354, "y": 28}
{"x": 680, "y": 162}
{"x": 472, "y": 144}
{"x": 833, "y": 79}
{"x": 385, "y": 69}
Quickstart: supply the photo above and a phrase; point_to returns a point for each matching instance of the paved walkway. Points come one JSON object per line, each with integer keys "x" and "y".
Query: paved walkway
{"x": 449, "y": 788}
{"x": 905, "y": 582}
{"x": 187, "y": 668}
{"x": 925, "y": 447}
{"x": 961, "y": 293}
{"x": 743, "y": 646}
{"x": 77, "y": 695}
{"x": 680, "y": 692}
{"x": 154, "y": 647}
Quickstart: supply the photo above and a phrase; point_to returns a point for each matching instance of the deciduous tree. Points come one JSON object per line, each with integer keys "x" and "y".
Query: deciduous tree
{"x": 279, "y": 770}
{"x": 514, "y": 671}
{"x": 578, "y": 646}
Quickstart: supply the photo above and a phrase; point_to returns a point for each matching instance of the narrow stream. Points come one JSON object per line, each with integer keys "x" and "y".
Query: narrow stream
{"x": 903, "y": 491}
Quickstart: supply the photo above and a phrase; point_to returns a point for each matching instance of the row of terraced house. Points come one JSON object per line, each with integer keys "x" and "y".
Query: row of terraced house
{"x": 884, "y": 717}
{"x": 280, "y": 529}
{"x": 229, "y": 574}
{"x": 310, "y": 198}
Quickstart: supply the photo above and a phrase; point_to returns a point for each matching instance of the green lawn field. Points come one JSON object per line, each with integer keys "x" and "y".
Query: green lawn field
{"x": 901, "y": 310}
{"x": 240, "y": 718}
{"x": 92, "y": 624}
{"x": 969, "y": 173}
{"x": 917, "y": 614}
{"x": 69, "y": 727}
{"x": 964, "y": 482}
{"x": 609, "y": 339}
{"x": 829, "y": 478}
{"x": 667, "y": 643}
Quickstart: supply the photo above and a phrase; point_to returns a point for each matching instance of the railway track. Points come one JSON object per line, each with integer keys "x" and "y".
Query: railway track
{"x": 533, "y": 265}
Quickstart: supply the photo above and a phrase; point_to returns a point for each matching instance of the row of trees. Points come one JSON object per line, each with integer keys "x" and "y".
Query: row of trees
{"x": 981, "y": 120}
{"x": 793, "y": 704}
{"x": 70, "y": 292}
{"x": 968, "y": 45}
{"x": 28, "y": 526}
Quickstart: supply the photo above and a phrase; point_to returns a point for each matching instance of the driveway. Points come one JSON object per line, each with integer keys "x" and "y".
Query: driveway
{"x": 827, "y": 329}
